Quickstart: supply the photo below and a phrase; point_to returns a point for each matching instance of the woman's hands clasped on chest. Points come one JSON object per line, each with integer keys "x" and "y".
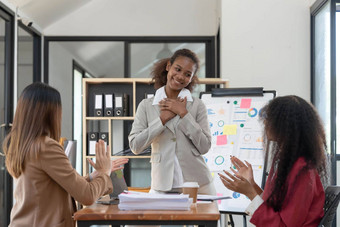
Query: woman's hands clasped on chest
{"x": 172, "y": 107}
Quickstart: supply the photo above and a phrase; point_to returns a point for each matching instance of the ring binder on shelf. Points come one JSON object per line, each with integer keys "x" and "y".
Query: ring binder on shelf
{"x": 118, "y": 110}
{"x": 92, "y": 140}
{"x": 125, "y": 104}
{"x": 98, "y": 105}
{"x": 121, "y": 105}
{"x": 108, "y": 105}
{"x": 104, "y": 136}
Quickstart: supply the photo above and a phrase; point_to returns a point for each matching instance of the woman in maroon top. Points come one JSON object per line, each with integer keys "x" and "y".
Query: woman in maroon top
{"x": 293, "y": 194}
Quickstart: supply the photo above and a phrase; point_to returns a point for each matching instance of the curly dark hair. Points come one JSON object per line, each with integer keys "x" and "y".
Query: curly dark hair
{"x": 297, "y": 128}
{"x": 159, "y": 72}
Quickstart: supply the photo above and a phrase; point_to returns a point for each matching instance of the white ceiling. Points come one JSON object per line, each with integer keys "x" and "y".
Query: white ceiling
{"x": 46, "y": 12}
{"x": 119, "y": 18}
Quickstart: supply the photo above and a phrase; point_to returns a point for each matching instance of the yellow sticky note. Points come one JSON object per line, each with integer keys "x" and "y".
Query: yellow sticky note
{"x": 229, "y": 130}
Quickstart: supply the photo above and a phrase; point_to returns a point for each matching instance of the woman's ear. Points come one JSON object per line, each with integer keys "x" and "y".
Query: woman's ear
{"x": 168, "y": 65}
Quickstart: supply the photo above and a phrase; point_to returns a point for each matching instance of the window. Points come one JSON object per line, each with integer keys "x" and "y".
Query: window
{"x": 6, "y": 108}
{"x": 324, "y": 15}
{"x": 78, "y": 74}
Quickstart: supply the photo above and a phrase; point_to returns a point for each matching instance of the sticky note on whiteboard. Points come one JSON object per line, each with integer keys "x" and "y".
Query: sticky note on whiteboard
{"x": 221, "y": 140}
{"x": 245, "y": 103}
{"x": 229, "y": 129}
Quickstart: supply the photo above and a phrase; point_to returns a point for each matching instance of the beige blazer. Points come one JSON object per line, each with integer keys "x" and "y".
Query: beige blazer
{"x": 43, "y": 192}
{"x": 188, "y": 137}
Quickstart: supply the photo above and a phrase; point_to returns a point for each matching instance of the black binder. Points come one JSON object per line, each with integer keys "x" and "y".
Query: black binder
{"x": 104, "y": 136}
{"x": 92, "y": 138}
{"x": 98, "y": 105}
{"x": 108, "y": 105}
{"x": 121, "y": 105}
{"x": 125, "y": 104}
{"x": 118, "y": 110}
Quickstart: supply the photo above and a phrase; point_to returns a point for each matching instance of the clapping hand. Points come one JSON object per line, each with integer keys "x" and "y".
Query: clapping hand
{"x": 103, "y": 158}
{"x": 238, "y": 184}
{"x": 243, "y": 180}
{"x": 118, "y": 164}
{"x": 243, "y": 169}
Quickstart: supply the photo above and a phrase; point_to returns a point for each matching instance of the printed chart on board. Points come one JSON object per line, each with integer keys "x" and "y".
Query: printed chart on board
{"x": 236, "y": 130}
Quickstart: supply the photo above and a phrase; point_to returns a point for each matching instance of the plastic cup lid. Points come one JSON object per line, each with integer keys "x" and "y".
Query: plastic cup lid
{"x": 190, "y": 185}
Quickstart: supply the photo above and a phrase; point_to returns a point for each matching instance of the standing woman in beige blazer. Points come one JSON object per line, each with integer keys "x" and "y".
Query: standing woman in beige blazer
{"x": 176, "y": 126}
{"x": 45, "y": 180}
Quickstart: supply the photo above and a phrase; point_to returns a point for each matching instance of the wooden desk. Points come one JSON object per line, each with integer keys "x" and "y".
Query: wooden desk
{"x": 98, "y": 214}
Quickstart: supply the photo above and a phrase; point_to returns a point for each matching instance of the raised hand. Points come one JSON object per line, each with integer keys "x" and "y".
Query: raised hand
{"x": 238, "y": 184}
{"x": 118, "y": 164}
{"x": 243, "y": 169}
{"x": 103, "y": 159}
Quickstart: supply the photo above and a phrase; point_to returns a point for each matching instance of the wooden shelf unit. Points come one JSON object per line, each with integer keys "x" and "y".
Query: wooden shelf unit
{"x": 135, "y": 85}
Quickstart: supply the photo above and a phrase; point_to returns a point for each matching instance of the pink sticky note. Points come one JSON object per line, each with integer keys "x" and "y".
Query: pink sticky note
{"x": 221, "y": 140}
{"x": 219, "y": 194}
{"x": 245, "y": 103}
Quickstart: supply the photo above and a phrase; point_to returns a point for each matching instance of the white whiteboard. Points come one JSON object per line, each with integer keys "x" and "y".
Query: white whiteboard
{"x": 235, "y": 130}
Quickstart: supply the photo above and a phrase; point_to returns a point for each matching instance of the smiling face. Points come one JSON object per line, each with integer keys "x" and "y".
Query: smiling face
{"x": 180, "y": 73}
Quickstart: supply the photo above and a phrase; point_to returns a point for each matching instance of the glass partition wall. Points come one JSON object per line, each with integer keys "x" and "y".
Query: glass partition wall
{"x": 6, "y": 109}
{"x": 325, "y": 27}
{"x": 25, "y": 59}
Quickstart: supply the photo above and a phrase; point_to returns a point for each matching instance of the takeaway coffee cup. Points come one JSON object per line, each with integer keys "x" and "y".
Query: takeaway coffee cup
{"x": 191, "y": 188}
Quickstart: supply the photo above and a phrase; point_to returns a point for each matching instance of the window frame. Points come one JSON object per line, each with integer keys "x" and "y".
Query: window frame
{"x": 8, "y": 16}
{"x": 37, "y": 76}
{"x": 212, "y": 62}
{"x": 317, "y": 6}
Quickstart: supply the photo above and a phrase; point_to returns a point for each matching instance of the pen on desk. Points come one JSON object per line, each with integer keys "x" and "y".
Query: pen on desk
{"x": 133, "y": 192}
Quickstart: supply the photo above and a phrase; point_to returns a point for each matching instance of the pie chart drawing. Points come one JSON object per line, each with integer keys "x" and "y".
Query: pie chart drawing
{"x": 247, "y": 137}
{"x": 252, "y": 112}
{"x": 236, "y": 195}
{"x": 219, "y": 160}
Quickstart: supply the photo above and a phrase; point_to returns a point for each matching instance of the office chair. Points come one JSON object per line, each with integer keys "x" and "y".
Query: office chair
{"x": 332, "y": 195}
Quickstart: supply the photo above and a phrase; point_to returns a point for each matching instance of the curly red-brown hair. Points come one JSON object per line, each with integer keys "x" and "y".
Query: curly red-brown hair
{"x": 298, "y": 131}
{"x": 159, "y": 72}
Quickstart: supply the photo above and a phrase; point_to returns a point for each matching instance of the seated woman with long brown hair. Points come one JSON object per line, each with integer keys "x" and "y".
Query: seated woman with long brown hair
{"x": 45, "y": 180}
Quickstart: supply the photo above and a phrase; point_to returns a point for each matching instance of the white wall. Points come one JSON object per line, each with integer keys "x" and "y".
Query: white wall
{"x": 266, "y": 43}
{"x": 60, "y": 77}
{"x": 140, "y": 18}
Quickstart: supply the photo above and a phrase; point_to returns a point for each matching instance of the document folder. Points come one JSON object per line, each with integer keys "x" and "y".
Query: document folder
{"x": 121, "y": 105}
{"x": 108, "y": 105}
{"x": 98, "y": 105}
{"x": 118, "y": 110}
{"x": 125, "y": 104}
{"x": 104, "y": 136}
{"x": 92, "y": 140}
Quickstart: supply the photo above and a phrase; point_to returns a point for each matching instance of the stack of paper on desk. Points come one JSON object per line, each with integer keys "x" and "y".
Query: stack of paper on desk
{"x": 211, "y": 197}
{"x": 149, "y": 201}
